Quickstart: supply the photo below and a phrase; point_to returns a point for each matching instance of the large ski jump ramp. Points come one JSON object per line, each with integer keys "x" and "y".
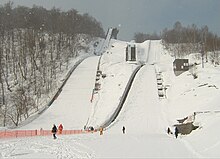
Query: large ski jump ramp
{"x": 72, "y": 107}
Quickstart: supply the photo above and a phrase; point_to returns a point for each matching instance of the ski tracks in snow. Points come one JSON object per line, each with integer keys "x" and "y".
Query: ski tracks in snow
{"x": 62, "y": 147}
{"x": 191, "y": 149}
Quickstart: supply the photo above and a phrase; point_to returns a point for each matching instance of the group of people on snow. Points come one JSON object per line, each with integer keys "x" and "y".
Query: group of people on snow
{"x": 60, "y": 129}
{"x": 55, "y": 129}
{"x": 101, "y": 129}
{"x": 176, "y": 131}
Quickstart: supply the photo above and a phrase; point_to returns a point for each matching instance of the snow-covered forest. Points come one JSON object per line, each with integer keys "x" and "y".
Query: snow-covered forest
{"x": 36, "y": 46}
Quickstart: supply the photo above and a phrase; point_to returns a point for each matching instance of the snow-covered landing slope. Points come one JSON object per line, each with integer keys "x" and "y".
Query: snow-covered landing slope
{"x": 117, "y": 72}
{"x": 73, "y": 106}
{"x": 142, "y": 112}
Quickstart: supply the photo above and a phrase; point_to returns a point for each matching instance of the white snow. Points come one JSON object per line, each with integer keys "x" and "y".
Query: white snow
{"x": 145, "y": 116}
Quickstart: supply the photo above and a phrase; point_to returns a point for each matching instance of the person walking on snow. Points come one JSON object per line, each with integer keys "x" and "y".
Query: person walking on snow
{"x": 60, "y": 128}
{"x": 169, "y": 131}
{"x": 176, "y": 132}
{"x": 123, "y": 130}
{"x": 101, "y": 130}
{"x": 54, "y": 131}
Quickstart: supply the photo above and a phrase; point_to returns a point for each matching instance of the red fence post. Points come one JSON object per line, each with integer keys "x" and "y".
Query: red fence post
{"x": 41, "y": 131}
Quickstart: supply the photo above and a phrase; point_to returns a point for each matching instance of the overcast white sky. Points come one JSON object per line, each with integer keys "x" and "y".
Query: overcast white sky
{"x": 145, "y": 16}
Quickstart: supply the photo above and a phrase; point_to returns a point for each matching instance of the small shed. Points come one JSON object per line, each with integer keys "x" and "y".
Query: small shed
{"x": 131, "y": 52}
{"x": 180, "y": 66}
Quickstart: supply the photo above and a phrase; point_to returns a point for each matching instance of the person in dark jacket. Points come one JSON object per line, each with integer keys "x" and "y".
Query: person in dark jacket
{"x": 176, "y": 132}
{"x": 169, "y": 131}
{"x": 54, "y": 131}
{"x": 123, "y": 130}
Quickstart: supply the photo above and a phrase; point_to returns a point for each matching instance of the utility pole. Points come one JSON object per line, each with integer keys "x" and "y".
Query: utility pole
{"x": 202, "y": 53}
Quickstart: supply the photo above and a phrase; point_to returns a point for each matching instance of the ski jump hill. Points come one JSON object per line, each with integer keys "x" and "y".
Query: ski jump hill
{"x": 73, "y": 106}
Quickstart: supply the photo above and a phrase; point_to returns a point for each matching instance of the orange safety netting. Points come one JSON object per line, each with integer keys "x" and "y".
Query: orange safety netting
{"x": 28, "y": 133}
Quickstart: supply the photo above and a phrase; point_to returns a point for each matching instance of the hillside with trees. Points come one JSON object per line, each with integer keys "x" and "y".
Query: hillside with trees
{"x": 184, "y": 40}
{"x": 36, "y": 46}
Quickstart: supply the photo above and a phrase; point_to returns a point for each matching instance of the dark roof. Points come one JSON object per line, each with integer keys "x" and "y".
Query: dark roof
{"x": 181, "y": 60}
